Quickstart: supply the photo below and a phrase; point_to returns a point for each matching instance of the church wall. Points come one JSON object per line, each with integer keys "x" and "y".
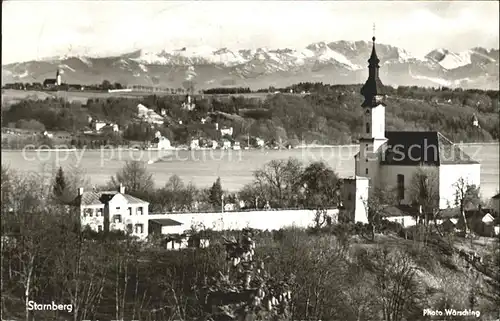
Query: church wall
{"x": 378, "y": 122}
{"x": 354, "y": 198}
{"x": 450, "y": 174}
{"x": 389, "y": 178}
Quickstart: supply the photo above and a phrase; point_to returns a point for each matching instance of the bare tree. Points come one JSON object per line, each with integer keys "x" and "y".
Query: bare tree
{"x": 465, "y": 195}
{"x": 279, "y": 179}
{"x": 395, "y": 282}
{"x": 134, "y": 177}
{"x": 424, "y": 192}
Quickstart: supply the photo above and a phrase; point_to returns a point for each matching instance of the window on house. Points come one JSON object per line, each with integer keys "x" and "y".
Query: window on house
{"x": 87, "y": 212}
{"x": 139, "y": 228}
{"x": 117, "y": 218}
{"x": 99, "y": 212}
{"x": 401, "y": 186}
{"x": 118, "y": 207}
{"x": 366, "y": 171}
{"x": 139, "y": 211}
{"x": 367, "y": 126}
{"x": 129, "y": 228}
{"x": 130, "y": 211}
{"x": 99, "y": 228}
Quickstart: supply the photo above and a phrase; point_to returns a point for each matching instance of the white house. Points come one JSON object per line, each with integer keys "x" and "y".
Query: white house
{"x": 160, "y": 143}
{"x": 47, "y": 134}
{"x": 390, "y": 159}
{"x": 149, "y": 115}
{"x": 226, "y": 131}
{"x": 260, "y": 142}
{"x": 113, "y": 210}
{"x": 195, "y": 144}
{"x": 226, "y": 144}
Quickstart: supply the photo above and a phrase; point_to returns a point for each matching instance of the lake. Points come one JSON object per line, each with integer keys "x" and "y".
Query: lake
{"x": 202, "y": 167}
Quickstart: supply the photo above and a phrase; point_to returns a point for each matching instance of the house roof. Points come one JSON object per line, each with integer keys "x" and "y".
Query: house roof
{"x": 50, "y": 81}
{"x": 166, "y": 222}
{"x": 398, "y": 210}
{"x": 469, "y": 214}
{"x": 101, "y": 198}
{"x": 421, "y": 148}
{"x": 496, "y": 197}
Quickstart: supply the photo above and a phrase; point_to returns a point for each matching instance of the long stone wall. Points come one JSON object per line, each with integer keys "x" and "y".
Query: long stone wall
{"x": 263, "y": 220}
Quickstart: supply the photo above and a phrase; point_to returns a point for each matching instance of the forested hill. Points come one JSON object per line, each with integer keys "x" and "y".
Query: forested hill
{"x": 322, "y": 114}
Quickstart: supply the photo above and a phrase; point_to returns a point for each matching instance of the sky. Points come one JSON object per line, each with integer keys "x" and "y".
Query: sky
{"x": 39, "y": 29}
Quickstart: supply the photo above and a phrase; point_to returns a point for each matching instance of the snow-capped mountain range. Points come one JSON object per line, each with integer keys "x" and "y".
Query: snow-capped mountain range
{"x": 339, "y": 62}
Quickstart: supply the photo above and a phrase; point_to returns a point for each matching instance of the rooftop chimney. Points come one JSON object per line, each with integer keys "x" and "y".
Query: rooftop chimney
{"x": 122, "y": 189}
{"x": 80, "y": 191}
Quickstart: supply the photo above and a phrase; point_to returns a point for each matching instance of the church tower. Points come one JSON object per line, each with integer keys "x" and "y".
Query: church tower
{"x": 373, "y": 134}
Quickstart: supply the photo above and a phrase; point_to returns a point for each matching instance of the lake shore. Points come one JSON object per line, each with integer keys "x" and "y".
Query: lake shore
{"x": 302, "y": 146}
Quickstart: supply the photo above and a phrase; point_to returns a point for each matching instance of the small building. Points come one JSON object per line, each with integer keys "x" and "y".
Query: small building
{"x": 113, "y": 210}
{"x": 161, "y": 143}
{"x": 50, "y": 83}
{"x": 188, "y": 103}
{"x": 148, "y": 115}
{"x": 195, "y": 144}
{"x": 226, "y": 144}
{"x": 475, "y": 121}
{"x": 480, "y": 221}
{"x": 260, "y": 142}
{"x": 47, "y": 134}
{"x": 399, "y": 214}
{"x": 226, "y": 131}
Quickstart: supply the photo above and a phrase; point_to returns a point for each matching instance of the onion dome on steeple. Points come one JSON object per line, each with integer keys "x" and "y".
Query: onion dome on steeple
{"x": 373, "y": 87}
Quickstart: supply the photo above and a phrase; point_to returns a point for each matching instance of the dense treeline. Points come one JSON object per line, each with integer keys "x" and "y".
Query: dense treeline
{"x": 332, "y": 272}
{"x": 327, "y": 115}
{"x": 104, "y": 86}
{"x": 227, "y": 91}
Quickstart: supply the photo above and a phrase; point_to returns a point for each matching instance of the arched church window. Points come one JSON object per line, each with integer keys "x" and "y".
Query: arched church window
{"x": 368, "y": 112}
{"x": 367, "y": 128}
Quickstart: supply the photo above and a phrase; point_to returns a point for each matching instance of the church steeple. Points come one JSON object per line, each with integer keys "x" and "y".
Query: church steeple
{"x": 373, "y": 89}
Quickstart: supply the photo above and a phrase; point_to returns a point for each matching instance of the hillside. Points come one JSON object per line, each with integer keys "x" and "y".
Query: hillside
{"x": 338, "y": 62}
{"x": 329, "y": 115}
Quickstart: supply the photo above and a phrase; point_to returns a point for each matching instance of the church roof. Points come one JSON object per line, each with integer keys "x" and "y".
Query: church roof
{"x": 422, "y": 148}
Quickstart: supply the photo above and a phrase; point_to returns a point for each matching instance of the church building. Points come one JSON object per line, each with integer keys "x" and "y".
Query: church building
{"x": 390, "y": 159}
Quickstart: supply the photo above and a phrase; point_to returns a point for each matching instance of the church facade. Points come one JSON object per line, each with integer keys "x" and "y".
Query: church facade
{"x": 390, "y": 159}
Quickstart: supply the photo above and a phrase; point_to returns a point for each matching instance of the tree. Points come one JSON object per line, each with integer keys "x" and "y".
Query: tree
{"x": 424, "y": 191}
{"x": 320, "y": 183}
{"x": 106, "y": 85}
{"x": 59, "y": 184}
{"x": 216, "y": 193}
{"x": 245, "y": 291}
{"x": 278, "y": 180}
{"x": 134, "y": 177}
{"x": 465, "y": 195}
{"x": 395, "y": 282}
